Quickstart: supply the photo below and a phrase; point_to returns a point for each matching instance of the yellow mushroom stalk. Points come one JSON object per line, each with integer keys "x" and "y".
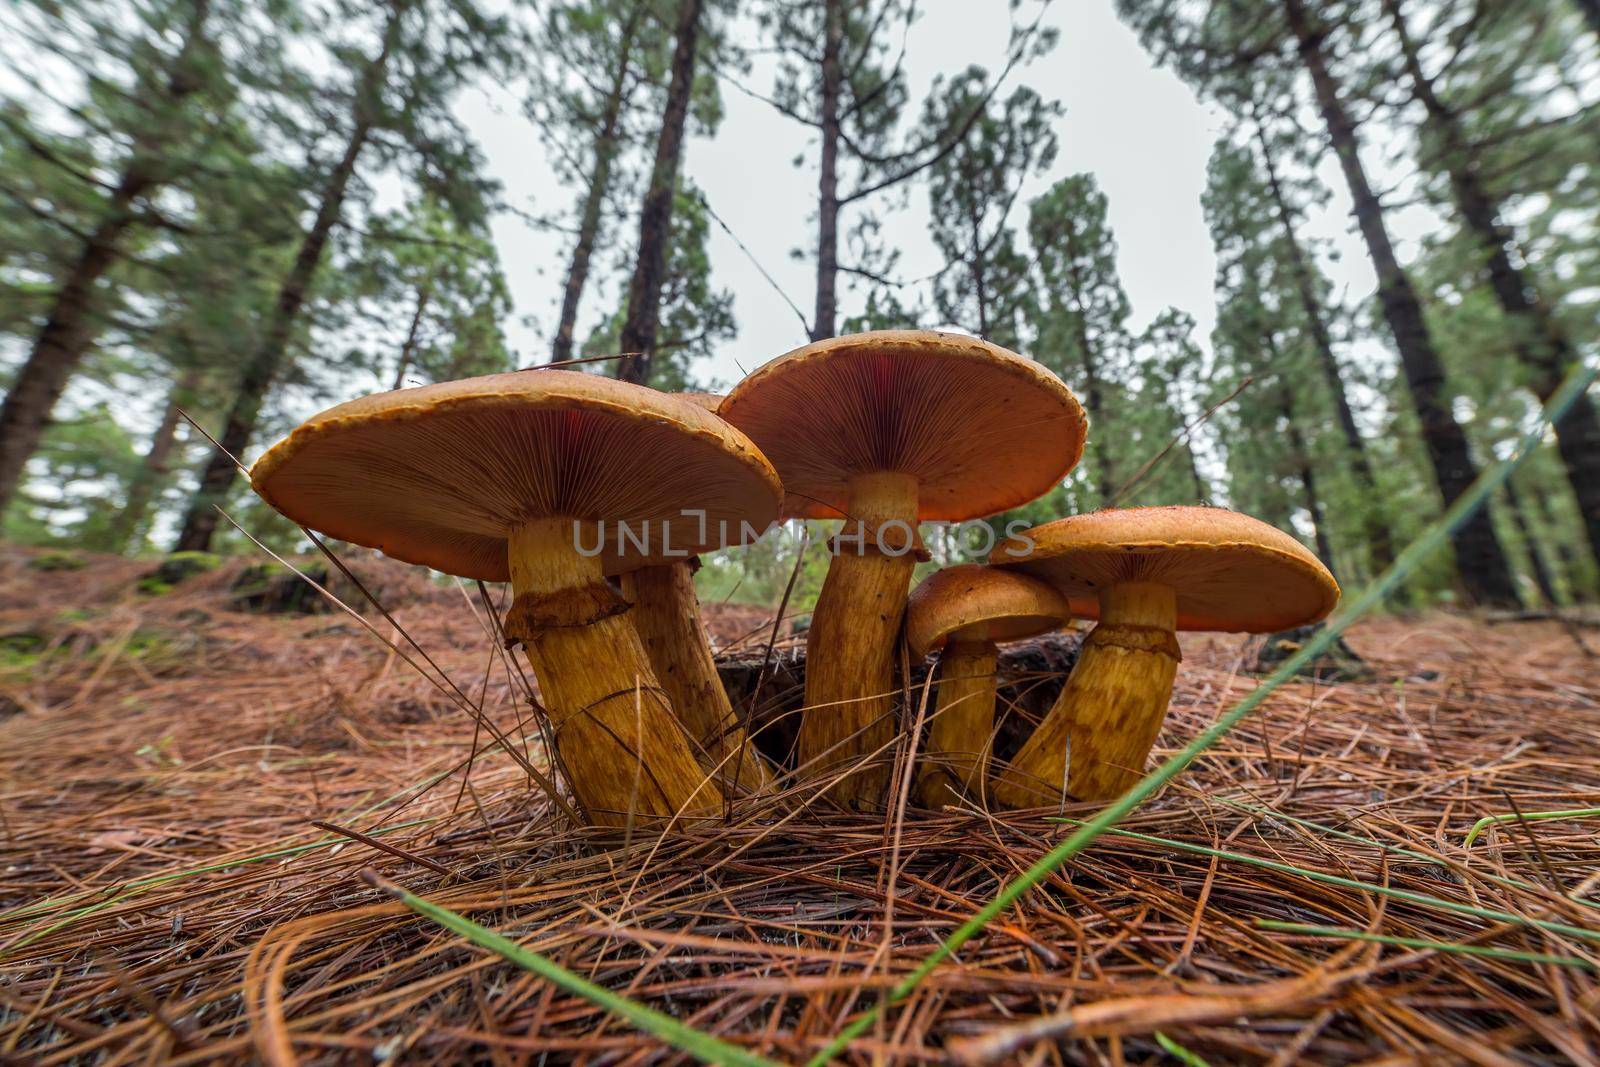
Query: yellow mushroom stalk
{"x": 666, "y": 615}
{"x": 963, "y": 612}
{"x": 553, "y": 480}
{"x": 1145, "y": 574}
{"x": 883, "y": 431}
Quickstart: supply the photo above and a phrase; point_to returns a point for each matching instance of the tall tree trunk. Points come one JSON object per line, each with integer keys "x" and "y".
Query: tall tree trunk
{"x": 1540, "y": 343}
{"x": 1201, "y": 493}
{"x": 825, "y": 320}
{"x": 127, "y": 529}
{"x": 1591, "y": 14}
{"x": 70, "y": 329}
{"x": 408, "y": 350}
{"x": 606, "y": 144}
{"x": 655, "y": 217}
{"x": 1092, "y": 398}
{"x": 1480, "y": 559}
{"x": 1308, "y": 477}
{"x": 200, "y": 521}
{"x": 1541, "y": 570}
{"x": 1379, "y": 540}
{"x": 1566, "y": 558}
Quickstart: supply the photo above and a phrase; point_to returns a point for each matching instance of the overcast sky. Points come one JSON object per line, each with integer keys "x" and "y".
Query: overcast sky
{"x": 1138, "y": 129}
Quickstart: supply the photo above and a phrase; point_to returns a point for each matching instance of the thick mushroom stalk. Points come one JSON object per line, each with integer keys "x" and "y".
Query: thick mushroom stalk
{"x": 1111, "y": 708}
{"x": 488, "y": 478}
{"x": 1146, "y": 573}
{"x": 956, "y": 757}
{"x": 666, "y": 616}
{"x": 963, "y": 612}
{"x": 850, "y": 648}
{"x": 615, "y": 733}
{"x": 889, "y": 429}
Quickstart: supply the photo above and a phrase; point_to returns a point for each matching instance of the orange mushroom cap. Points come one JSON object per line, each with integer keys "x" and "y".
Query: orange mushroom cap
{"x": 439, "y": 475}
{"x": 980, "y": 428}
{"x": 1009, "y": 606}
{"x": 1230, "y": 572}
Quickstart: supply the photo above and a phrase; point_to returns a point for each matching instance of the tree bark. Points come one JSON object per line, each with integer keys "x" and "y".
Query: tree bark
{"x": 1537, "y": 338}
{"x": 1379, "y": 540}
{"x": 1308, "y": 479}
{"x": 130, "y": 521}
{"x": 200, "y": 521}
{"x": 1591, "y": 14}
{"x": 979, "y": 269}
{"x": 1091, "y": 377}
{"x": 1480, "y": 559}
{"x": 1201, "y": 493}
{"x": 69, "y": 329}
{"x": 825, "y": 320}
{"x": 606, "y": 144}
{"x": 408, "y": 350}
{"x": 1541, "y": 570}
{"x": 655, "y": 217}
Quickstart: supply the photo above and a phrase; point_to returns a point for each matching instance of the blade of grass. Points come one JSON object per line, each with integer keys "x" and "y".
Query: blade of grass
{"x": 127, "y": 890}
{"x": 1527, "y": 816}
{"x": 1179, "y": 1053}
{"x": 1430, "y": 541}
{"x": 1490, "y": 951}
{"x": 1423, "y": 899}
{"x": 702, "y": 1046}
{"x": 1392, "y": 849}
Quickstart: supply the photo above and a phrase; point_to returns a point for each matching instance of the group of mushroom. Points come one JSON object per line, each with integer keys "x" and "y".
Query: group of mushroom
{"x": 593, "y": 497}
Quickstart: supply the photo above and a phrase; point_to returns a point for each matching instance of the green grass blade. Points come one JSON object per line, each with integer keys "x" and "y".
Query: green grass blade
{"x": 1527, "y": 816}
{"x": 702, "y": 1046}
{"x": 1489, "y": 951}
{"x": 1431, "y": 540}
{"x": 1424, "y": 899}
{"x": 116, "y": 894}
{"x": 1393, "y": 850}
{"x": 1178, "y": 1052}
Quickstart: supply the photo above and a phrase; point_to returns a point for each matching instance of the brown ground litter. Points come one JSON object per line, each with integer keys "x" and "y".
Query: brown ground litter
{"x": 164, "y": 894}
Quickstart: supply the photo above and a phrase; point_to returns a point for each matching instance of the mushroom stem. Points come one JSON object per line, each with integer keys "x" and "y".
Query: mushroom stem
{"x": 666, "y": 616}
{"x": 616, "y": 736}
{"x": 956, "y": 758}
{"x": 849, "y": 713}
{"x": 1110, "y": 711}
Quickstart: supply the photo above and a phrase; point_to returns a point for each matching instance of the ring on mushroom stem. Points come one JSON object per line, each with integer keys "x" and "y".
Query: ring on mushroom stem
{"x": 886, "y": 430}
{"x": 1146, "y": 573}
{"x": 963, "y": 611}
{"x": 532, "y": 477}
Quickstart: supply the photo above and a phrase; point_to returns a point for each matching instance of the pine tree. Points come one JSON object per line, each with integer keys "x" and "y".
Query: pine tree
{"x": 596, "y": 96}
{"x": 695, "y": 316}
{"x": 986, "y": 286}
{"x": 1535, "y": 334}
{"x": 399, "y": 103}
{"x": 1230, "y": 48}
{"x": 604, "y": 40}
{"x": 420, "y": 266}
{"x": 842, "y": 76}
{"x": 1485, "y": 571}
{"x": 1175, "y": 365}
{"x": 165, "y": 111}
{"x": 1083, "y": 314}
{"x": 642, "y": 323}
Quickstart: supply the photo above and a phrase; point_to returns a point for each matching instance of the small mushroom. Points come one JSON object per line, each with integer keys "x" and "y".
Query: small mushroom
{"x": 551, "y": 479}
{"x": 666, "y": 615}
{"x": 886, "y": 430}
{"x": 1145, "y": 573}
{"x": 963, "y": 612}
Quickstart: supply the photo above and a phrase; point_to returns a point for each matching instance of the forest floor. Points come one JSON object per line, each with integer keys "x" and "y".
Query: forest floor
{"x": 1305, "y": 891}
